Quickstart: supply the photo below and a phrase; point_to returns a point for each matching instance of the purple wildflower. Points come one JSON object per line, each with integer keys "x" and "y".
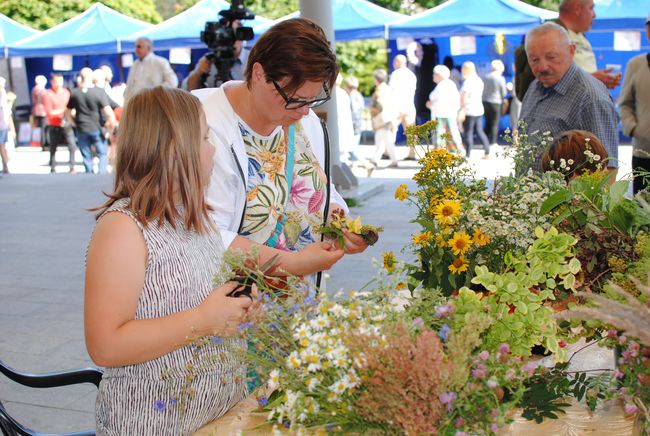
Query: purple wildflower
{"x": 244, "y": 326}
{"x": 460, "y": 433}
{"x": 448, "y": 398}
{"x": 494, "y": 428}
{"x": 418, "y": 322}
{"x": 444, "y": 332}
{"x": 217, "y": 340}
{"x": 159, "y": 405}
{"x": 443, "y": 311}
{"x": 504, "y": 348}
{"x": 480, "y": 371}
{"x": 262, "y": 401}
{"x": 484, "y": 355}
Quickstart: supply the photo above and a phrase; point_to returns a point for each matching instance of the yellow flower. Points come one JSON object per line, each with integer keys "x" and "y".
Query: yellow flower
{"x": 402, "y": 192}
{"x": 459, "y": 265}
{"x": 389, "y": 261}
{"x": 479, "y": 238}
{"x": 355, "y": 225}
{"x": 449, "y": 192}
{"x": 422, "y": 239}
{"x": 440, "y": 241}
{"x": 400, "y": 286}
{"x": 447, "y": 212}
{"x": 460, "y": 243}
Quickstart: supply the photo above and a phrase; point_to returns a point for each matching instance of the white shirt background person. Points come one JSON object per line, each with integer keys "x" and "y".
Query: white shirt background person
{"x": 149, "y": 70}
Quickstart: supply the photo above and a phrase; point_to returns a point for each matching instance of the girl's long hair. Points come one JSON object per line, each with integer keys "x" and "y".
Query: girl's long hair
{"x": 158, "y": 159}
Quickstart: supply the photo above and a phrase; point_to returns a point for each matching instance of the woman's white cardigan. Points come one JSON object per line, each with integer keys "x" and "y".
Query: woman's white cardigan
{"x": 226, "y": 193}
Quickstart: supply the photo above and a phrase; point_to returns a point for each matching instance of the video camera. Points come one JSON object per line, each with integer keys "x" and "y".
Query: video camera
{"x": 220, "y": 37}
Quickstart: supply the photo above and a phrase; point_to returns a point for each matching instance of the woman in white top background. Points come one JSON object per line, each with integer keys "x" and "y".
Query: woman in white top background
{"x": 471, "y": 102}
{"x": 444, "y": 103}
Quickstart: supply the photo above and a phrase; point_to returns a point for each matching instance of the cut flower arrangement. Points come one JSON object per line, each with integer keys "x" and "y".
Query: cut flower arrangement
{"x": 452, "y": 354}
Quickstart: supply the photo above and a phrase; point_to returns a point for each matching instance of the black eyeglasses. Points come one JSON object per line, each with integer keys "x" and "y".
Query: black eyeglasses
{"x": 296, "y": 103}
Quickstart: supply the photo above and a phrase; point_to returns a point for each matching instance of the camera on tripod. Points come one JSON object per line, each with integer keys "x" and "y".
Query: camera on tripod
{"x": 221, "y": 36}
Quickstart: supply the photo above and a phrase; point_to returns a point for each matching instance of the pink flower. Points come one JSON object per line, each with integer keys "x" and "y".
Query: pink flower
{"x": 448, "y": 399}
{"x": 630, "y": 409}
{"x": 460, "y": 422}
{"x": 494, "y": 428}
{"x": 622, "y": 339}
{"x": 300, "y": 192}
{"x": 562, "y": 344}
{"x": 613, "y": 334}
{"x": 504, "y": 348}
{"x": 492, "y": 383}
{"x": 618, "y": 374}
{"x": 529, "y": 368}
{"x": 484, "y": 355}
{"x": 480, "y": 371}
{"x": 633, "y": 348}
{"x": 443, "y": 311}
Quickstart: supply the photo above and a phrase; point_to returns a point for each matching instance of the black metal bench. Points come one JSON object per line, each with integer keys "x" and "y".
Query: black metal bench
{"x": 11, "y": 427}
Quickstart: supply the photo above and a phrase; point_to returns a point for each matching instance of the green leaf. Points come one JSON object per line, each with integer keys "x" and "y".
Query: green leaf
{"x": 558, "y": 198}
{"x": 569, "y": 281}
{"x": 574, "y": 266}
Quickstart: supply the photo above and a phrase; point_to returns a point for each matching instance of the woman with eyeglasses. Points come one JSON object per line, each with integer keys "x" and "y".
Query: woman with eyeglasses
{"x": 269, "y": 186}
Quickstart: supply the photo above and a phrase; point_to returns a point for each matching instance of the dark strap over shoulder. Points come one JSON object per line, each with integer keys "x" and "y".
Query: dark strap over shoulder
{"x": 326, "y": 141}
{"x": 523, "y": 74}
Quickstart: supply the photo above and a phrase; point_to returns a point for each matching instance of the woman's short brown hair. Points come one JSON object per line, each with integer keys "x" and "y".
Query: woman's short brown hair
{"x": 571, "y": 145}
{"x": 158, "y": 159}
{"x": 297, "y": 49}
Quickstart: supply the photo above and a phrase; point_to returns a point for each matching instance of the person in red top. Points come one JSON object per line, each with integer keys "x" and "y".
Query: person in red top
{"x": 59, "y": 131}
{"x": 38, "y": 111}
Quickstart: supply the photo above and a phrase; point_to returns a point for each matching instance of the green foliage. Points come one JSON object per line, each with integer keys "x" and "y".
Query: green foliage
{"x": 361, "y": 59}
{"x": 603, "y": 219}
{"x": 516, "y": 297}
{"x": 547, "y": 392}
{"x": 45, "y": 14}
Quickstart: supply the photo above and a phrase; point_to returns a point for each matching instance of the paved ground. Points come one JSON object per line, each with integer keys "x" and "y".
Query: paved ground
{"x": 45, "y": 230}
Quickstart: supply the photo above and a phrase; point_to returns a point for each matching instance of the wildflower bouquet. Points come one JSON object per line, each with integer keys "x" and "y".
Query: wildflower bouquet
{"x": 464, "y": 225}
{"x": 340, "y": 222}
{"x": 353, "y": 363}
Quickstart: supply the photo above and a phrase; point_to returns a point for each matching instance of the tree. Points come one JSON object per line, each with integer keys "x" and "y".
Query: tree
{"x": 42, "y": 15}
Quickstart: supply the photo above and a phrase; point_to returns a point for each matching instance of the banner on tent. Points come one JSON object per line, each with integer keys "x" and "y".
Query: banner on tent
{"x": 62, "y": 62}
{"x": 627, "y": 41}
{"x": 462, "y": 45}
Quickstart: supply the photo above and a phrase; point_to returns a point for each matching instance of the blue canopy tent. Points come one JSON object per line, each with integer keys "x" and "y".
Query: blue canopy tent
{"x": 184, "y": 29}
{"x": 353, "y": 19}
{"x": 620, "y": 15}
{"x": 471, "y": 17}
{"x": 99, "y": 29}
{"x": 12, "y": 31}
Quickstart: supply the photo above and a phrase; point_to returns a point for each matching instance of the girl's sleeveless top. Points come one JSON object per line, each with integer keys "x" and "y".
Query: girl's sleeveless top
{"x": 183, "y": 390}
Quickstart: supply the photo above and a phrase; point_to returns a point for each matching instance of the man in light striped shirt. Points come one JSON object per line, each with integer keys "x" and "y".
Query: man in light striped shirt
{"x": 564, "y": 97}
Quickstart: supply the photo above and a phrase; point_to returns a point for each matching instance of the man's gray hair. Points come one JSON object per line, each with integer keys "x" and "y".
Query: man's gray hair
{"x": 545, "y": 28}
{"x": 381, "y": 75}
{"x": 570, "y": 5}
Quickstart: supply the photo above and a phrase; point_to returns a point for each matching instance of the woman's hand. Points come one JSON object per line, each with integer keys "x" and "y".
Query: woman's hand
{"x": 221, "y": 314}
{"x": 353, "y": 243}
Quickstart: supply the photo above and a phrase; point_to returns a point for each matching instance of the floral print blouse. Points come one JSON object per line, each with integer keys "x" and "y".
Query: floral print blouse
{"x": 286, "y": 188}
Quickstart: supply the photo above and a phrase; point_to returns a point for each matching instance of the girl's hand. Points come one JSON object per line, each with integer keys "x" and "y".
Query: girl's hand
{"x": 315, "y": 257}
{"x": 220, "y": 314}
